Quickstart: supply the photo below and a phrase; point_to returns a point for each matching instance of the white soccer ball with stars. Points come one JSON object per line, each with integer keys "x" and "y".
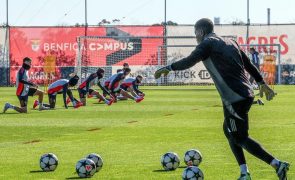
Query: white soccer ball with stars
{"x": 170, "y": 161}
{"x": 96, "y": 158}
{"x": 193, "y": 157}
{"x": 85, "y": 168}
{"x": 192, "y": 173}
{"x": 48, "y": 162}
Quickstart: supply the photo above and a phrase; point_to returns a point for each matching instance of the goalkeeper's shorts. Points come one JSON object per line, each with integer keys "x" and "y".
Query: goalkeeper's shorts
{"x": 236, "y": 123}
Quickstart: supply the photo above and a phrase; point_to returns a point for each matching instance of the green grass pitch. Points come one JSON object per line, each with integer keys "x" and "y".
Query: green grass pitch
{"x": 132, "y": 137}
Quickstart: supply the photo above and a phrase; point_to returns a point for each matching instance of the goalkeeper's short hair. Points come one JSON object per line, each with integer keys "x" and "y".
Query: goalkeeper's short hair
{"x": 206, "y": 25}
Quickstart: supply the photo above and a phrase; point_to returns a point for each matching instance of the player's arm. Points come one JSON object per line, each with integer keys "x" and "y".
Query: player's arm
{"x": 21, "y": 74}
{"x": 135, "y": 88}
{"x": 251, "y": 68}
{"x": 254, "y": 72}
{"x": 201, "y": 52}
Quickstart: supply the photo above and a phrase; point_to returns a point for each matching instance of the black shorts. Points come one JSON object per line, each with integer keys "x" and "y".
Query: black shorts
{"x": 82, "y": 92}
{"x": 125, "y": 88}
{"x": 23, "y": 100}
{"x": 236, "y": 122}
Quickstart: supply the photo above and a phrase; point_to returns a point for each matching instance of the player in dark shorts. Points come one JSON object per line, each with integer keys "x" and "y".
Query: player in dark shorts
{"x": 25, "y": 89}
{"x": 227, "y": 63}
{"x": 61, "y": 86}
{"x": 85, "y": 90}
{"x": 131, "y": 85}
{"x": 115, "y": 86}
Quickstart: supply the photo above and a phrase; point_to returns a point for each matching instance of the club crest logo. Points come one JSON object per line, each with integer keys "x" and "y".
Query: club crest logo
{"x": 35, "y": 44}
{"x": 88, "y": 167}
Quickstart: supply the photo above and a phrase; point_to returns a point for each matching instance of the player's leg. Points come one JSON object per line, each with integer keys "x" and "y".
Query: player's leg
{"x": 121, "y": 96}
{"x": 236, "y": 149}
{"x": 52, "y": 100}
{"x": 126, "y": 94}
{"x": 101, "y": 98}
{"x": 238, "y": 127}
{"x": 23, "y": 100}
{"x": 82, "y": 95}
{"x": 40, "y": 94}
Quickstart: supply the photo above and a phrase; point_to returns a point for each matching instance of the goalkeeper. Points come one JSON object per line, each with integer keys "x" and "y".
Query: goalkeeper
{"x": 227, "y": 64}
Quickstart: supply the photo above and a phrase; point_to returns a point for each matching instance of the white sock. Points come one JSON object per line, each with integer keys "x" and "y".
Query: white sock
{"x": 40, "y": 105}
{"x": 244, "y": 169}
{"x": 74, "y": 103}
{"x": 275, "y": 162}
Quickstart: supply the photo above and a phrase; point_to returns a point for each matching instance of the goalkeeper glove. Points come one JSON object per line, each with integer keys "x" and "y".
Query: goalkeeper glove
{"x": 265, "y": 89}
{"x": 164, "y": 70}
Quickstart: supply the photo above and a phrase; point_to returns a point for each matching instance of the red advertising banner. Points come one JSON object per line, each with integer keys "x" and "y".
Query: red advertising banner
{"x": 39, "y": 43}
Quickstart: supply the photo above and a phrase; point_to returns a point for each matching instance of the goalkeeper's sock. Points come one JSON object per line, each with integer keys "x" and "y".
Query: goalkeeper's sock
{"x": 275, "y": 163}
{"x": 244, "y": 169}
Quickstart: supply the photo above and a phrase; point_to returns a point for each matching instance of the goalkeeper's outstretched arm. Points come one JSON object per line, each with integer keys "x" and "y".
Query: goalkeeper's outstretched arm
{"x": 201, "y": 52}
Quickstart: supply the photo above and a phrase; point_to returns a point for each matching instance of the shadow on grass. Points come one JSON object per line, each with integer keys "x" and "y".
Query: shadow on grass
{"x": 182, "y": 167}
{"x": 163, "y": 170}
{"x": 160, "y": 170}
{"x": 74, "y": 178}
{"x": 9, "y": 113}
{"x": 39, "y": 171}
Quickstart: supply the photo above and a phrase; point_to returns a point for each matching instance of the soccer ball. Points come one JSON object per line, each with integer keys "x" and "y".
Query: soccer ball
{"x": 96, "y": 159}
{"x": 85, "y": 168}
{"x": 193, "y": 157}
{"x": 170, "y": 161}
{"x": 48, "y": 162}
{"x": 192, "y": 173}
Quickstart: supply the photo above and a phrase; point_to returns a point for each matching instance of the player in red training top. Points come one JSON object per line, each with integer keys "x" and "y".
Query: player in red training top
{"x": 85, "y": 88}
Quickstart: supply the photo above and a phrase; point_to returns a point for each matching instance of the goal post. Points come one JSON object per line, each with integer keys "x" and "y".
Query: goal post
{"x": 145, "y": 54}
{"x": 111, "y": 52}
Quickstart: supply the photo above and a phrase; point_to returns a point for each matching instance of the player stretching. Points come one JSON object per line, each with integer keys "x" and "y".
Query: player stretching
{"x": 62, "y": 86}
{"x": 115, "y": 83}
{"x": 25, "y": 89}
{"x": 227, "y": 63}
{"x": 131, "y": 85}
{"x": 84, "y": 88}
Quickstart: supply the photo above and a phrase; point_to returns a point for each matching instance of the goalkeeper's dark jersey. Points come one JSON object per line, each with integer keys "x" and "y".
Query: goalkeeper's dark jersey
{"x": 226, "y": 64}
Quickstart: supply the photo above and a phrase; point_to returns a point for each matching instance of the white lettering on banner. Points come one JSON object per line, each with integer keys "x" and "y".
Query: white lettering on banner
{"x": 91, "y": 46}
{"x": 196, "y": 74}
{"x": 107, "y": 46}
{"x": 40, "y": 75}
